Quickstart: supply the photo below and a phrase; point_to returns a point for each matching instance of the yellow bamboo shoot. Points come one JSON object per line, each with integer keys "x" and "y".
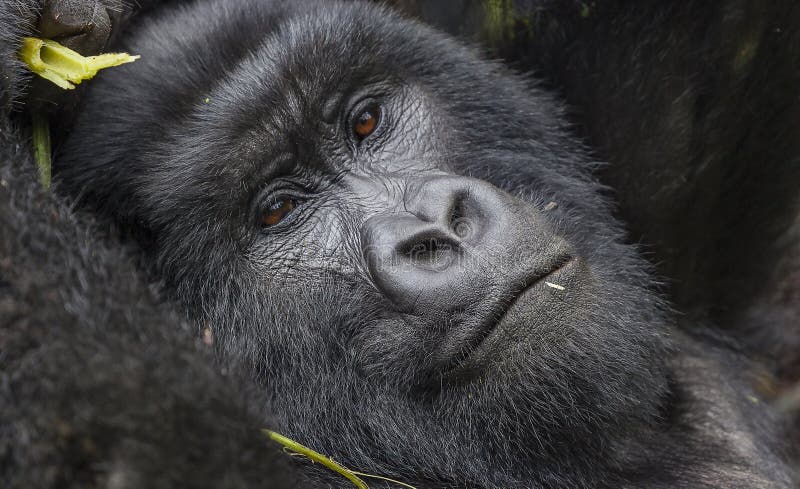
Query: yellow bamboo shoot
{"x": 63, "y": 66}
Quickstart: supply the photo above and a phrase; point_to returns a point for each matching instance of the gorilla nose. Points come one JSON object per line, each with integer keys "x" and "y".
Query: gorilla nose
{"x": 430, "y": 256}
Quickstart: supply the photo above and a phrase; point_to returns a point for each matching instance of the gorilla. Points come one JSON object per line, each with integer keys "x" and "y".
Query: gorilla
{"x": 402, "y": 257}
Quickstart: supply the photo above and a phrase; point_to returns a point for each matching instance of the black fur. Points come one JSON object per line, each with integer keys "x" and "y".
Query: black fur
{"x": 171, "y": 148}
{"x": 102, "y": 384}
{"x": 99, "y": 382}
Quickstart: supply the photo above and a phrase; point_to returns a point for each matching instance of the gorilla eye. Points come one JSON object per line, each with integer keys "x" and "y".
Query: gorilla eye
{"x": 366, "y": 121}
{"x": 277, "y": 210}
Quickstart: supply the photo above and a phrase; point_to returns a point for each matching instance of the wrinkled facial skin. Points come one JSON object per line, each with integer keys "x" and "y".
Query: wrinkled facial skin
{"x": 453, "y": 278}
{"x": 447, "y": 254}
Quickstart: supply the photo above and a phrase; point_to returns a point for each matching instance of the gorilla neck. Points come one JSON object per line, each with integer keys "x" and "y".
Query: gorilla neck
{"x": 523, "y": 433}
{"x": 508, "y": 441}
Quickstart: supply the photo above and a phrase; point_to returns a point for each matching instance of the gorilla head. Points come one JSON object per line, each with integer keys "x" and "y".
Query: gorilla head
{"x": 400, "y": 239}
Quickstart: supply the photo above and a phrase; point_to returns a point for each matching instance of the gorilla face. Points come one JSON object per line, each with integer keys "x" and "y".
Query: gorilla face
{"x": 399, "y": 238}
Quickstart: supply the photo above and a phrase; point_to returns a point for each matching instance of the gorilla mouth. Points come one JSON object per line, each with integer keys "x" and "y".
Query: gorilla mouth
{"x": 496, "y": 316}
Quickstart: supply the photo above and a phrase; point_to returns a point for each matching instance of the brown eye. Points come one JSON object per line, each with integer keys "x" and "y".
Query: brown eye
{"x": 278, "y": 210}
{"x": 366, "y": 122}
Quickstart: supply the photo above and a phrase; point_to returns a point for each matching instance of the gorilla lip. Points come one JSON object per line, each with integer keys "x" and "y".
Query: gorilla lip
{"x": 559, "y": 264}
{"x": 498, "y": 312}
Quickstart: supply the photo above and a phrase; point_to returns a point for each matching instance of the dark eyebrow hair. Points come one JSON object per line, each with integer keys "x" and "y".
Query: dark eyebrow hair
{"x": 267, "y": 166}
{"x": 332, "y": 106}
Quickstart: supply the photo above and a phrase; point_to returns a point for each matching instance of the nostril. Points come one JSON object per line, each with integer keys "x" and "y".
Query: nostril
{"x": 428, "y": 250}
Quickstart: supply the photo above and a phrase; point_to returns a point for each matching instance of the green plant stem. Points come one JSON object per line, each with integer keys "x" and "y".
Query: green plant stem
{"x": 41, "y": 148}
{"x": 316, "y": 457}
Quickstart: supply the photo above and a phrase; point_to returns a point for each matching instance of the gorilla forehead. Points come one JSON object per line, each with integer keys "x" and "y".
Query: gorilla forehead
{"x": 293, "y": 89}
{"x": 286, "y": 97}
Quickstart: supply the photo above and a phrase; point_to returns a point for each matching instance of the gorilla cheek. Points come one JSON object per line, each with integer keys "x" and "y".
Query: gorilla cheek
{"x": 541, "y": 319}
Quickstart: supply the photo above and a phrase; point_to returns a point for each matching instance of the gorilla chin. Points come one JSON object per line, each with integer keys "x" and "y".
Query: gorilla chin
{"x": 400, "y": 239}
